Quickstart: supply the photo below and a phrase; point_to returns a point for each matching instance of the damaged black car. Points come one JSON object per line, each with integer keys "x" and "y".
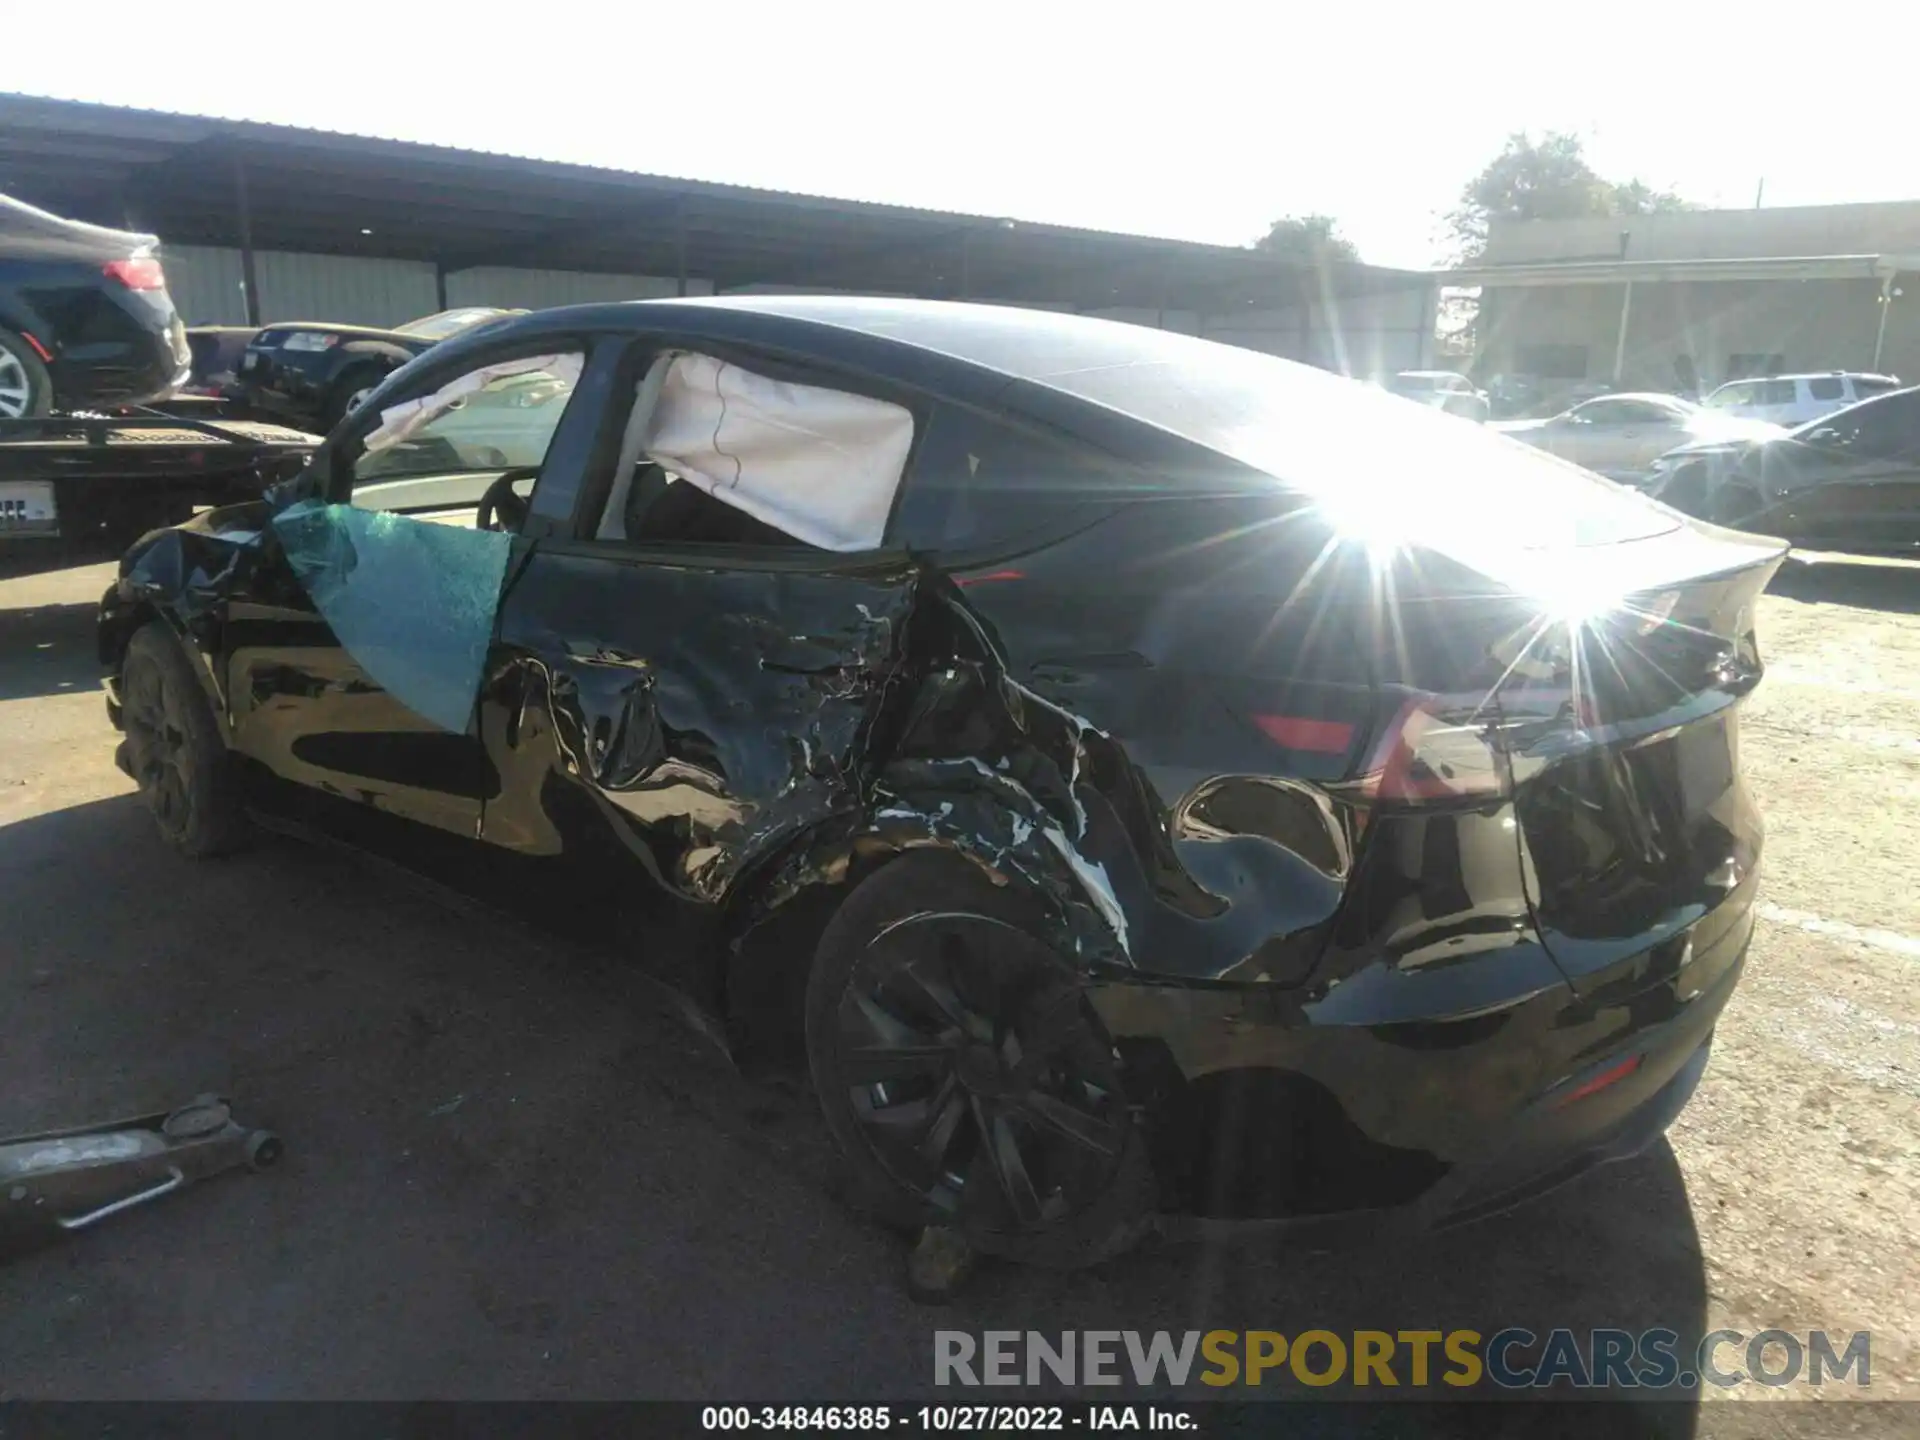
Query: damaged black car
{"x": 1142, "y": 777}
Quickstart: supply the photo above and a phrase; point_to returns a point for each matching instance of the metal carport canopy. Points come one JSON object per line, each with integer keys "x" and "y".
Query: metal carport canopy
{"x": 200, "y": 181}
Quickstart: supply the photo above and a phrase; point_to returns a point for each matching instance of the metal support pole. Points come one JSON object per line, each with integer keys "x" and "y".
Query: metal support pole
{"x": 440, "y": 285}
{"x": 1880, "y": 334}
{"x": 1620, "y": 343}
{"x": 249, "y": 280}
{"x": 680, "y": 245}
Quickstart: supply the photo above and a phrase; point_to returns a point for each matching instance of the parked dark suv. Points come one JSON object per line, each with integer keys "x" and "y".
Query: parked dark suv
{"x": 85, "y": 318}
{"x": 311, "y": 373}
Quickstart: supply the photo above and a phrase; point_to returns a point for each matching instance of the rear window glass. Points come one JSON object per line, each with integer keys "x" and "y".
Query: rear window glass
{"x": 1827, "y": 387}
{"x": 1375, "y": 465}
{"x": 978, "y": 484}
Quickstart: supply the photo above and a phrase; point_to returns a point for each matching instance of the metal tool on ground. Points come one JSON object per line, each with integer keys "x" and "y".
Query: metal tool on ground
{"x": 71, "y": 1179}
{"x": 941, "y": 1264}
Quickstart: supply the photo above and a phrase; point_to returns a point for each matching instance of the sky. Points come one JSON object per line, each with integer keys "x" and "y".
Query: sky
{"x": 1192, "y": 118}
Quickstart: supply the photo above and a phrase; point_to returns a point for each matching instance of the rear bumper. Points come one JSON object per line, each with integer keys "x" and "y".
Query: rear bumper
{"x": 133, "y": 363}
{"x": 1297, "y": 1135}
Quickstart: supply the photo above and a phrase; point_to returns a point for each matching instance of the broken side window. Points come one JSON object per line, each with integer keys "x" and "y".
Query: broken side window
{"x": 413, "y": 603}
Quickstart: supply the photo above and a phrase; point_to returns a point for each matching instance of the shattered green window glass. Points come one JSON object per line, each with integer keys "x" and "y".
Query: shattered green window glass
{"x": 411, "y": 601}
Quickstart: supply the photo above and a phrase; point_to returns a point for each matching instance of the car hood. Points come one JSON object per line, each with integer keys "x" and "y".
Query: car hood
{"x": 354, "y": 332}
{"x": 1729, "y": 444}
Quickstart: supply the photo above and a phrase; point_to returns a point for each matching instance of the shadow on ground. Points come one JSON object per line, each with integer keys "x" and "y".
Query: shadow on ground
{"x": 48, "y": 650}
{"x": 38, "y": 558}
{"x": 512, "y": 1172}
{"x": 1866, "y": 584}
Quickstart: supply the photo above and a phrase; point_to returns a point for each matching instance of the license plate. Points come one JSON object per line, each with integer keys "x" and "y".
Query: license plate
{"x": 27, "y": 508}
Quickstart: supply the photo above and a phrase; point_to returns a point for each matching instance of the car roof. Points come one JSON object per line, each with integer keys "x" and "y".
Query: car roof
{"x": 27, "y": 232}
{"x": 1810, "y": 375}
{"x": 1659, "y": 397}
{"x": 1210, "y": 418}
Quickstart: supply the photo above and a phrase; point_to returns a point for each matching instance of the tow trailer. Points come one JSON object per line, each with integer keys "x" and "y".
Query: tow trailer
{"x": 79, "y": 479}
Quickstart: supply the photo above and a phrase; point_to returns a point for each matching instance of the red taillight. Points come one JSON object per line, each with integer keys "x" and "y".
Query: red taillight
{"x": 141, "y": 272}
{"x": 990, "y": 577}
{"x": 1612, "y": 1075}
{"x": 1434, "y": 750}
{"x": 1317, "y": 737}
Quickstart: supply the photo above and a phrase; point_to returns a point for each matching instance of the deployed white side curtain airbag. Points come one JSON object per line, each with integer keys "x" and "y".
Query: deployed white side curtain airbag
{"x": 821, "y": 465}
{"x": 398, "y": 422}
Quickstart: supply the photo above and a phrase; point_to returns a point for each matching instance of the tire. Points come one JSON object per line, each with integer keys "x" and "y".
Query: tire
{"x": 26, "y": 389}
{"x": 963, "y": 1072}
{"x": 174, "y": 751}
{"x": 347, "y": 392}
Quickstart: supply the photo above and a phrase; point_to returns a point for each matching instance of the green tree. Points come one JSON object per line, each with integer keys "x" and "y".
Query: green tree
{"x": 1545, "y": 179}
{"x": 1636, "y": 197}
{"x": 1307, "y": 237}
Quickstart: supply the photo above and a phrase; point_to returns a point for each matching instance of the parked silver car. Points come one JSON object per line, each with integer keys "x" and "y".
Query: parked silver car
{"x": 1622, "y": 435}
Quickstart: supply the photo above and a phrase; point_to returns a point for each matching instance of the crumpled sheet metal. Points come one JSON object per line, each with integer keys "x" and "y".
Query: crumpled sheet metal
{"x": 1017, "y": 805}
{"x": 412, "y": 603}
{"x": 191, "y": 570}
{"x": 711, "y": 763}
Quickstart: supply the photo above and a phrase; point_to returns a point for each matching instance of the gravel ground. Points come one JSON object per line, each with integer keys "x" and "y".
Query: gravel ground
{"x": 513, "y": 1172}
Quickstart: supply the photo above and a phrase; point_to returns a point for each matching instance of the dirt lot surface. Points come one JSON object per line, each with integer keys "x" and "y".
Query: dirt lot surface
{"x": 512, "y": 1171}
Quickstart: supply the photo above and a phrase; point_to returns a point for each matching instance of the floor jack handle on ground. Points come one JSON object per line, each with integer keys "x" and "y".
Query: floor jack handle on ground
{"x": 71, "y": 1179}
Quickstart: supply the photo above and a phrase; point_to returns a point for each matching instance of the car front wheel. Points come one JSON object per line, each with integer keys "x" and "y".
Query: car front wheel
{"x": 965, "y": 1075}
{"x": 173, "y": 748}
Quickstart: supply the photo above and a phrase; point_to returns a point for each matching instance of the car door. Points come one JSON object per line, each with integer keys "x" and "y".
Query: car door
{"x": 1647, "y": 429}
{"x": 681, "y": 690}
{"x": 353, "y": 659}
{"x": 1858, "y": 485}
{"x": 1780, "y": 401}
{"x": 1593, "y": 434}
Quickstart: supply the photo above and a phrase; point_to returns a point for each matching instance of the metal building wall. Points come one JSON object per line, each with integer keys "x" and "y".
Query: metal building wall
{"x": 344, "y": 288}
{"x": 516, "y": 289}
{"x": 205, "y": 283}
{"x": 1361, "y": 335}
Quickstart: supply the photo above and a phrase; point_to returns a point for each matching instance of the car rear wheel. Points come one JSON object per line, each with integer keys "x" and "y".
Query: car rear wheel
{"x": 964, "y": 1073}
{"x": 25, "y": 387}
{"x": 173, "y": 748}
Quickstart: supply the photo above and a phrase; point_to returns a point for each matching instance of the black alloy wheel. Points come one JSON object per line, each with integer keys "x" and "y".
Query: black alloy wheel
{"x": 962, "y": 1069}
{"x": 173, "y": 750}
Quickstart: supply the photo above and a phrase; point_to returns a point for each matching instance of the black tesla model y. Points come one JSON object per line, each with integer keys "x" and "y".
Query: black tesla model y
{"x": 1149, "y": 777}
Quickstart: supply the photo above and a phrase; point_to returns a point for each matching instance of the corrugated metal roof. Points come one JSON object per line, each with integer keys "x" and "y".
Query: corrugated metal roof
{"x": 337, "y": 193}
